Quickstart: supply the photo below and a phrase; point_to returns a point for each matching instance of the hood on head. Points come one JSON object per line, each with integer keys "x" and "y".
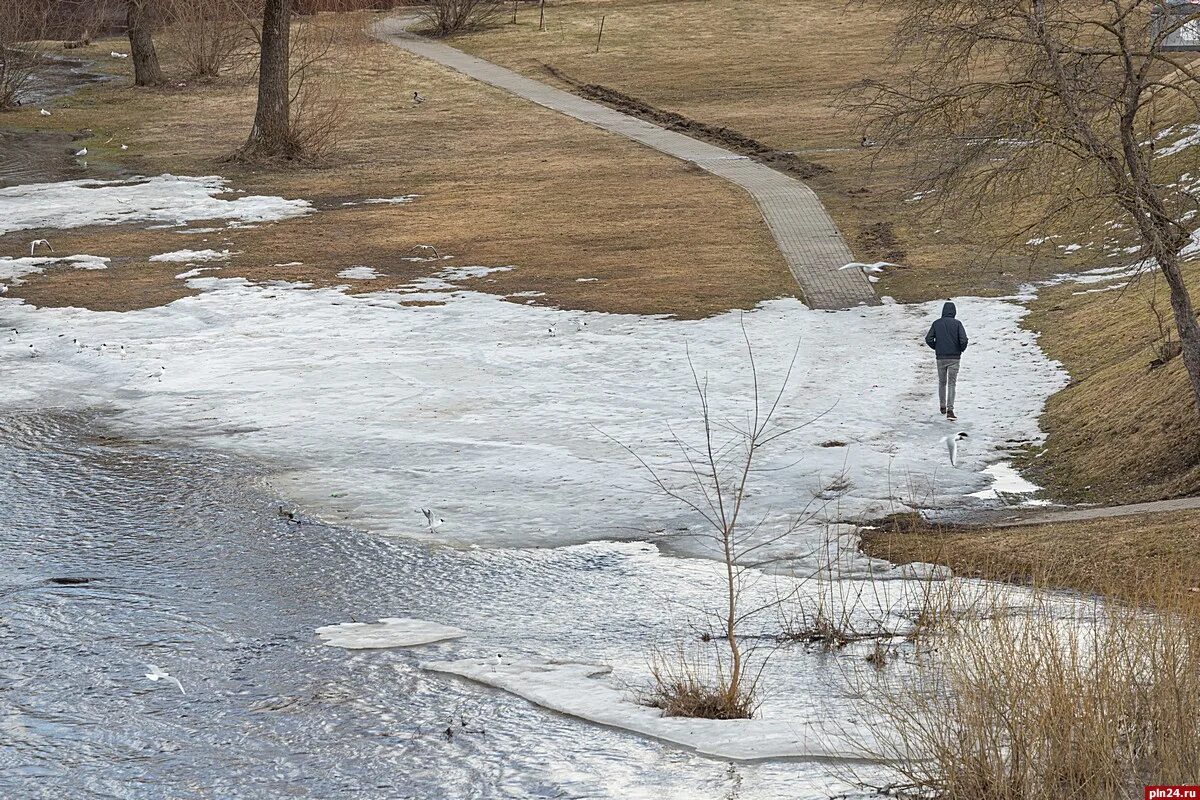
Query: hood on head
{"x": 949, "y": 310}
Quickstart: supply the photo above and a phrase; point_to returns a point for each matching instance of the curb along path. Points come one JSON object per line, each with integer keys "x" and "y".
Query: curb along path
{"x": 806, "y": 235}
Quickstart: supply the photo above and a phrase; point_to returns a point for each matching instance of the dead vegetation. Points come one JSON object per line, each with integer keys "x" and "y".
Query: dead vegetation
{"x": 1055, "y": 699}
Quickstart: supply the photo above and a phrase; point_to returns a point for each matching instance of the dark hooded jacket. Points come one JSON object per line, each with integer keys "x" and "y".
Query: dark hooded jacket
{"x": 947, "y": 336}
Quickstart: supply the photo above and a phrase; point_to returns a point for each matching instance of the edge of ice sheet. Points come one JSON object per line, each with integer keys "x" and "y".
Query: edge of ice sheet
{"x": 582, "y": 690}
{"x": 386, "y": 633}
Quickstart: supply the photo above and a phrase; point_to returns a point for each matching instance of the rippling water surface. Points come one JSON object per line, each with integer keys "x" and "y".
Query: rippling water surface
{"x": 188, "y": 566}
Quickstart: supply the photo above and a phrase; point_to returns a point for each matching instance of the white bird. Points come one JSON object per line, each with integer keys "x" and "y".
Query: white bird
{"x": 157, "y": 673}
{"x": 33, "y": 351}
{"x": 876, "y": 266}
{"x": 424, "y": 247}
{"x": 417, "y": 99}
{"x": 952, "y": 446}
{"x": 124, "y": 147}
{"x": 81, "y": 153}
{"x": 433, "y": 523}
{"x": 115, "y": 54}
{"x": 36, "y": 243}
{"x": 551, "y": 330}
{"x": 499, "y": 661}
{"x": 868, "y": 142}
{"x": 44, "y": 113}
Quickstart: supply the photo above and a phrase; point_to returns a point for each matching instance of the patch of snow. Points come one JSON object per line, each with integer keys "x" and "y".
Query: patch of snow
{"x": 13, "y": 269}
{"x": 470, "y": 406}
{"x": 1108, "y": 288}
{"x": 167, "y": 199}
{"x": 195, "y": 273}
{"x": 1070, "y": 248}
{"x": 586, "y": 280}
{"x": 192, "y": 255}
{"x": 359, "y": 273}
{"x": 585, "y": 691}
{"x": 387, "y": 632}
{"x": 1005, "y": 480}
{"x": 404, "y": 198}
{"x": 1192, "y": 137}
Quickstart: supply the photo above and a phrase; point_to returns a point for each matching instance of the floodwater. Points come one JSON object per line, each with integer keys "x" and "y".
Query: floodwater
{"x": 189, "y": 567}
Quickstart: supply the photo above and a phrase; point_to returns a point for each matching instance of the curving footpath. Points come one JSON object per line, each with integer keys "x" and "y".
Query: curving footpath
{"x": 806, "y": 235}
{"x": 1096, "y": 512}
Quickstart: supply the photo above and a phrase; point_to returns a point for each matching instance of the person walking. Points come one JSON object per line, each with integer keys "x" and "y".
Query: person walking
{"x": 948, "y": 338}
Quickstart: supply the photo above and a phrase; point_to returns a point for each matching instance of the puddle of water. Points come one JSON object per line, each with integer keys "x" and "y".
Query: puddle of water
{"x": 37, "y": 157}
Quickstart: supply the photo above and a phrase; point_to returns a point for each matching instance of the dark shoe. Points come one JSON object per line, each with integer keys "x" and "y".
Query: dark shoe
{"x": 943, "y": 411}
{"x": 950, "y": 414}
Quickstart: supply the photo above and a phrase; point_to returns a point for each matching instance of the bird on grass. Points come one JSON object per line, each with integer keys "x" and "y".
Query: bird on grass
{"x": 425, "y": 248}
{"x": 157, "y": 673}
{"x": 115, "y": 54}
{"x": 868, "y": 142}
{"x": 36, "y": 243}
{"x": 81, "y": 153}
{"x": 290, "y": 516}
{"x": 44, "y": 113}
{"x": 417, "y": 99}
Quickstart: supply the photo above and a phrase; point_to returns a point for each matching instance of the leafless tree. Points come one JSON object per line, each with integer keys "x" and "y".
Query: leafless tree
{"x": 22, "y": 28}
{"x": 1048, "y": 111}
{"x": 446, "y": 17}
{"x": 140, "y": 18}
{"x": 712, "y": 479}
{"x": 213, "y": 35}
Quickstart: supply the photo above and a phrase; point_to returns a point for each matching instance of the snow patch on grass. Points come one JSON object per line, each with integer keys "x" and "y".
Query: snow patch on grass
{"x": 168, "y": 200}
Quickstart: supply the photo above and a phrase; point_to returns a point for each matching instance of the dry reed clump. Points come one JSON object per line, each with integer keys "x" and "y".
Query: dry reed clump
{"x": 684, "y": 686}
{"x": 1060, "y": 699}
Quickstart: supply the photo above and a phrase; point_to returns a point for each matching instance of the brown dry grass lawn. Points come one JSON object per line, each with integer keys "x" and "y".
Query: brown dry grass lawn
{"x": 778, "y": 72}
{"x": 502, "y": 182}
{"x": 1148, "y": 557}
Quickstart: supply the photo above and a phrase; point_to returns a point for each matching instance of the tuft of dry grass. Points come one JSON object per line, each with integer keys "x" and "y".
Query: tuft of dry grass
{"x": 1055, "y": 700}
{"x": 684, "y": 685}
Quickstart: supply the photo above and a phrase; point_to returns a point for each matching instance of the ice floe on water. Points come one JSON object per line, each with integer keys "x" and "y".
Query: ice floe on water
{"x": 165, "y": 199}
{"x": 588, "y": 692}
{"x": 385, "y": 633}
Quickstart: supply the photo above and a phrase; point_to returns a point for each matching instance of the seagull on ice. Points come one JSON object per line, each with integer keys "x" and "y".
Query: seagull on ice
{"x": 952, "y": 446}
{"x": 36, "y": 243}
{"x": 433, "y": 523}
{"x": 44, "y": 113}
{"x": 81, "y": 153}
{"x": 157, "y": 673}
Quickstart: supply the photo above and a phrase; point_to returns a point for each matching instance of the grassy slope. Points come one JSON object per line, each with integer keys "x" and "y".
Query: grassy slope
{"x": 501, "y": 182}
{"x": 778, "y": 72}
{"x": 1134, "y": 558}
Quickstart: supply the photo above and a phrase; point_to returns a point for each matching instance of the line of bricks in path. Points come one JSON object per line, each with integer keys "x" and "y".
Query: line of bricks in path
{"x": 807, "y": 237}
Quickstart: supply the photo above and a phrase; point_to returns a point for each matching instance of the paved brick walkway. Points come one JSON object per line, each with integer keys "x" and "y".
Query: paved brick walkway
{"x": 809, "y": 240}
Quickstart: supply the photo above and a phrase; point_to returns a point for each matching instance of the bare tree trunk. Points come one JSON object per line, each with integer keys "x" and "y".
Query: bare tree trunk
{"x": 146, "y": 70}
{"x": 1185, "y": 321}
{"x": 271, "y": 136}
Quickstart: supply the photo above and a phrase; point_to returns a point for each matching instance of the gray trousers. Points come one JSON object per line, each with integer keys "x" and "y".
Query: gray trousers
{"x": 947, "y": 378}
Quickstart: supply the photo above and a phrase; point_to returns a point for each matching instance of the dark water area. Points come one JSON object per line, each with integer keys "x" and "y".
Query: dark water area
{"x": 117, "y": 555}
